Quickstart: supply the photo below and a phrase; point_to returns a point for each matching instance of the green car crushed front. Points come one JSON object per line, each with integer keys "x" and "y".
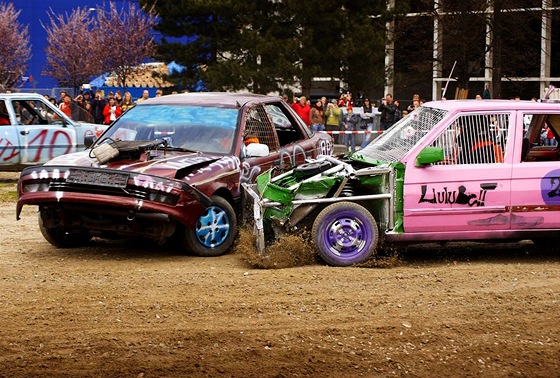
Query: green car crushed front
{"x": 293, "y": 200}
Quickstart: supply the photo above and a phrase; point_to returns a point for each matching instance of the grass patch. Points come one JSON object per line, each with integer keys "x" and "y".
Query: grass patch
{"x": 8, "y": 191}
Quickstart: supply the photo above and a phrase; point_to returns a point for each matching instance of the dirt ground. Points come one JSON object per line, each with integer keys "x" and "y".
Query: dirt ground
{"x": 130, "y": 309}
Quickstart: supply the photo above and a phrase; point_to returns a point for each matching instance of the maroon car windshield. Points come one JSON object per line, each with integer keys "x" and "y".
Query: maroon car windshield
{"x": 198, "y": 128}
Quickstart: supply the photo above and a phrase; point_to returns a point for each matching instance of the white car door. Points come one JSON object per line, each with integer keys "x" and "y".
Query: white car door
{"x": 42, "y": 135}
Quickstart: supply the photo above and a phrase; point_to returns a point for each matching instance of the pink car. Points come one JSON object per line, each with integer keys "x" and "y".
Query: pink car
{"x": 451, "y": 170}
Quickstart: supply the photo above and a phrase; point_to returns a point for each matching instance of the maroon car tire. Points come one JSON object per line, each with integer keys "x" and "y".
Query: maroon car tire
{"x": 215, "y": 230}
{"x": 61, "y": 238}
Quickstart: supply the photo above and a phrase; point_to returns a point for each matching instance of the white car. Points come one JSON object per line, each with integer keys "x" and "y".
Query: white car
{"x": 33, "y": 130}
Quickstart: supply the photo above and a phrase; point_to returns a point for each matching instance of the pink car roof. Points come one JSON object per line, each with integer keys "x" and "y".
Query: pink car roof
{"x": 495, "y": 105}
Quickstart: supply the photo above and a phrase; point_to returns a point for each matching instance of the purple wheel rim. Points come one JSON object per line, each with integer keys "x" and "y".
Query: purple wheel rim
{"x": 347, "y": 236}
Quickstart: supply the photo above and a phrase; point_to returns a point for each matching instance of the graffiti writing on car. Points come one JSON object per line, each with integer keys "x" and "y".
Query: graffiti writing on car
{"x": 186, "y": 161}
{"x": 7, "y": 150}
{"x": 459, "y": 197}
{"x": 226, "y": 163}
{"x": 148, "y": 182}
{"x": 325, "y": 147}
{"x": 292, "y": 159}
{"x": 248, "y": 174}
{"x": 550, "y": 188}
{"x": 59, "y": 140}
{"x": 43, "y": 146}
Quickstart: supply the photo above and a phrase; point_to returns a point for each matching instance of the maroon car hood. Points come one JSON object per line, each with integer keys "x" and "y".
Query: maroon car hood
{"x": 171, "y": 164}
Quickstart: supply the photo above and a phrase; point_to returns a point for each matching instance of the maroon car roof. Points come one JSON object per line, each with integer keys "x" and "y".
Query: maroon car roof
{"x": 209, "y": 98}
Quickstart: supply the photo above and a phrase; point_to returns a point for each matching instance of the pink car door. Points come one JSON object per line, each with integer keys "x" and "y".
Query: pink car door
{"x": 470, "y": 190}
{"x": 535, "y": 197}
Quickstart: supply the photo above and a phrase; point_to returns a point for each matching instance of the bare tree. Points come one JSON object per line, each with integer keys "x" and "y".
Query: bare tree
{"x": 126, "y": 39}
{"x": 15, "y": 50}
{"x": 71, "y": 42}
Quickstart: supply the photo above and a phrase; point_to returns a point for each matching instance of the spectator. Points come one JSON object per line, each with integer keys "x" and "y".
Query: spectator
{"x": 159, "y": 93}
{"x": 61, "y": 100}
{"x": 350, "y": 120}
{"x": 548, "y": 136}
{"x": 398, "y": 113}
{"x": 145, "y": 96}
{"x": 415, "y": 103}
{"x": 285, "y": 98}
{"x": 87, "y": 97}
{"x": 349, "y": 100}
{"x": 387, "y": 109}
{"x": 79, "y": 100}
{"x": 127, "y": 102}
{"x": 78, "y": 113}
{"x": 98, "y": 106}
{"x": 112, "y": 111}
{"x": 66, "y": 106}
{"x": 302, "y": 109}
{"x": 317, "y": 117}
{"x": 333, "y": 116}
{"x": 486, "y": 93}
{"x": 118, "y": 97}
{"x": 368, "y": 114}
{"x": 88, "y": 108}
{"x": 341, "y": 101}
{"x": 324, "y": 104}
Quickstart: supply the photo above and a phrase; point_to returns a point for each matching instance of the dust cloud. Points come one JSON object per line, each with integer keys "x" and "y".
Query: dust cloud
{"x": 286, "y": 252}
{"x": 298, "y": 250}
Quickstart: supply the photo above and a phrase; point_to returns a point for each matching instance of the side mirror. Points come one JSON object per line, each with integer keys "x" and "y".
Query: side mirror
{"x": 429, "y": 155}
{"x": 89, "y": 140}
{"x": 256, "y": 150}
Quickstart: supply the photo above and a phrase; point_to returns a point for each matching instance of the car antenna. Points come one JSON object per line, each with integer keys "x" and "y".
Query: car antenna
{"x": 448, "y": 79}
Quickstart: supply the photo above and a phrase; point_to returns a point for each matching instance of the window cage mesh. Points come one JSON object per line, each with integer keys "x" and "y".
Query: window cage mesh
{"x": 393, "y": 144}
{"x": 475, "y": 139}
{"x": 258, "y": 125}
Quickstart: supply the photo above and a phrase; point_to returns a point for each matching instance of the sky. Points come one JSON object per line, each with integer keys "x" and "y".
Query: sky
{"x": 33, "y": 12}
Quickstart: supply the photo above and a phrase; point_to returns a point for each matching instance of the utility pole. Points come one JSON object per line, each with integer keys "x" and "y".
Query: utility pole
{"x": 390, "y": 49}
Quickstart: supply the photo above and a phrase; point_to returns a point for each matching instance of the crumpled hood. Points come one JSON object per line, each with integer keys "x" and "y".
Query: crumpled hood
{"x": 172, "y": 164}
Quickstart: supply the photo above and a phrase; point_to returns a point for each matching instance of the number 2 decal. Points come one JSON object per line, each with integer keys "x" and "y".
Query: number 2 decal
{"x": 550, "y": 187}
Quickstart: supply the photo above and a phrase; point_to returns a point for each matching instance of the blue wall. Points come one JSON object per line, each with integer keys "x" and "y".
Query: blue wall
{"x": 33, "y": 12}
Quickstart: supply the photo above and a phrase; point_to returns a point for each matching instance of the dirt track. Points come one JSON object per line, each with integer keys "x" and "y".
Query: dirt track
{"x": 133, "y": 310}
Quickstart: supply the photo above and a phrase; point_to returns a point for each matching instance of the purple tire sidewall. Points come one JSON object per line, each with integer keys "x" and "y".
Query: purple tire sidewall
{"x": 356, "y": 255}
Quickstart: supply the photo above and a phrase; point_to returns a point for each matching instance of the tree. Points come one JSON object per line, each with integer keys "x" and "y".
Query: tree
{"x": 224, "y": 43}
{"x": 15, "y": 50}
{"x": 71, "y": 48}
{"x": 125, "y": 39}
{"x": 267, "y": 46}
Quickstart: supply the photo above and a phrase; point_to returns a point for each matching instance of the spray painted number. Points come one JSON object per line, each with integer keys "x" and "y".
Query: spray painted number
{"x": 550, "y": 188}
{"x": 59, "y": 143}
{"x": 7, "y": 150}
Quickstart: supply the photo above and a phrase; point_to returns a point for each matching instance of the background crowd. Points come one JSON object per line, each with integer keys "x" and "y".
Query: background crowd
{"x": 95, "y": 107}
{"x": 337, "y": 114}
{"x": 346, "y": 114}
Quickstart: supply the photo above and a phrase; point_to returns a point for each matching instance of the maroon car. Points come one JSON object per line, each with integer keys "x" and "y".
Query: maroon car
{"x": 170, "y": 166}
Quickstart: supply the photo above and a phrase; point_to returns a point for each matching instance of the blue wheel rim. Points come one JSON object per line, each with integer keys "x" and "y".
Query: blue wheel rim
{"x": 212, "y": 228}
{"x": 346, "y": 237}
